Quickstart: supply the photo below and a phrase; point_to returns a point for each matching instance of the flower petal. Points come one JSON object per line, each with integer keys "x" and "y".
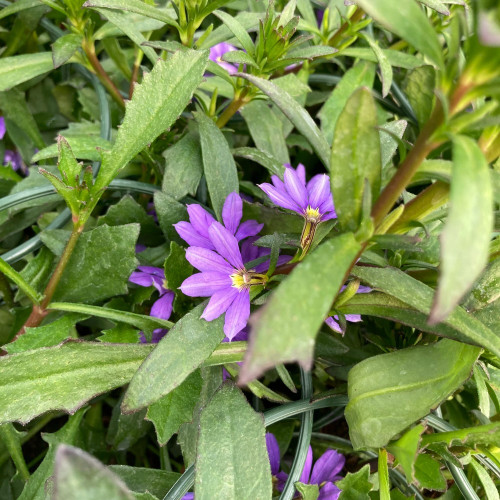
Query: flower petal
{"x": 141, "y": 279}
{"x": 332, "y": 322}
{"x": 273, "y": 450}
{"x": 353, "y": 318}
{"x": 200, "y": 219}
{"x": 301, "y": 172}
{"x": 249, "y": 251}
{"x": 318, "y": 189}
{"x": 162, "y": 308}
{"x": 187, "y": 232}
{"x": 327, "y": 467}
{"x": 306, "y": 471}
{"x": 248, "y": 228}
{"x": 296, "y": 188}
{"x": 3, "y": 129}
{"x": 237, "y": 315}
{"x": 329, "y": 492}
{"x": 280, "y": 197}
{"x": 226, "y": 244}
{"x": 158, "y": 334}
{"x": 232, "y": 212}
{"x": 205, "y": 284}
{"x": 219, "y": 303}
{"x": 206, "y": 260}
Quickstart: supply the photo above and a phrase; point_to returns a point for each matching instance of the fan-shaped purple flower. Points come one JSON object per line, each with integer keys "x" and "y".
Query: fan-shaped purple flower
{"x": 216, "y": 53}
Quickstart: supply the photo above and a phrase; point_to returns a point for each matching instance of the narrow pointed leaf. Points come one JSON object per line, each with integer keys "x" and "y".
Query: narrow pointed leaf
{"x": 19, "y": 69}
{"x": 285, "y": 329}
{"x": 296, "y": 114}
{"x": 232, "y": 456}
{"x": 466, "y": 237}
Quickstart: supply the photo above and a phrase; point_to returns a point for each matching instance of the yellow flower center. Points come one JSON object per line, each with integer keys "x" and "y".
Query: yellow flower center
{"x": 312, "y": 215}
{"x": 243, "y": 279}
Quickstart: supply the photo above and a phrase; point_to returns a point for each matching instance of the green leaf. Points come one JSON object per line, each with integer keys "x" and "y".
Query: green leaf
{"x": 307, "y": 491}
{"x": 232, "y": 458}
{"x": 183, "y": 167}
{"x": 45, "y": 336}
{"x": 355, "y": 157}
{"x": 428, "y": 473}
{"x": 17, "y": 278}
{"x": 383, "y": 476}
{"x": 273, "y": 166}
{"x": 19, "y": 6}
{"x": 389, "y": 392}
{"x": 64, "y": 47}
{"x": 488, "y": 434}
{"x": 409, "y": 22}
{"x": 296, "y": 114}
{"x": 418, "y": 295}
{"x": 155, "y": 105}
{"x": 360, "y": 75}
{"x": 190, "y": 342}
{"x": 419, "y": 88}
{"x": 355, "y": 486}
{"x": 79, "y": 475}
{"x": 142, "y": 479}
{"x": 405, "y": 450}
{"x": 238, "y": 31}
{"x": 126, "y": 429}
{"x": 176, "y": 408}
{"x": 169, "y": 211}
{"x": 466, "y": 237}
{"x": 123, "y": 22}
{"x": 266, "y": 130}
{"x": 385, "y": 66}
{"x": 395, "y": 57}
{"x": 177, "y": 269}
{"x": 71, "y": 434}
{"x": 92, "y": 275}
{"x": 63, "y": 377}
{"x": 218, "y": 163}
{"x": 489, "y": 486}
{"x": 83, "y": 147}
{"x": 299, "y": 305}
{"x": 136, "y": 6}
{"x": 146, "y": 323}
{"x": 437, "y": 5}
{"x": 19, "y": 69}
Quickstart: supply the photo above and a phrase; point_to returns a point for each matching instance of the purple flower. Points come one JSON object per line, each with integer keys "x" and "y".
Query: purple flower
{"x": 216, "y": 53}
{"x": 223, "y": 278}
{"x": 312, "y": 200}
{"x": 2, "y": 127}
{"x": 324, "y": 473}
{"x": 333, "y": 321}
{"x": 162, "y": 308}
{"x": 195, "y": 232}
{"x": 11, "y": 157}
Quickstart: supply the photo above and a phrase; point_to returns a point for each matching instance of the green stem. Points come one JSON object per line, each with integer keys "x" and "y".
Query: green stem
{"x": 238, "y": 102}
{"x": 89, "y": 49}
{"x": 11, "y": 440}
{"x": 13, "y": 275}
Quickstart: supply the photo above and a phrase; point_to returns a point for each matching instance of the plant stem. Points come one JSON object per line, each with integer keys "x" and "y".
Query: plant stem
{"x": 89, "y": 49}
{"x": 12, "y": 442}
{"x": 238, "y": 102}
{"x": 40, "y": 311}
{"x": 335, "y": 38}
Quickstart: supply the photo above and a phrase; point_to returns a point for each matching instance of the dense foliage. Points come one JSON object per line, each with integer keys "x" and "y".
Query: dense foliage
{"x": 249, "y": 249}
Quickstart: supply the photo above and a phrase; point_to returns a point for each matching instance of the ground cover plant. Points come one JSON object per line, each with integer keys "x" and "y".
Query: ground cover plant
{"x": 249, "y": 249}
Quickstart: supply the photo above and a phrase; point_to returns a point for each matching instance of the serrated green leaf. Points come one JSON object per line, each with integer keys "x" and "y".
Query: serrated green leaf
{"x": 296, "y": 114}
{"x": 232, "y": 458}
{"x": 360, "y": 75}
{"x": 92, "y": 275}
{"x": 409, "y": 22}
{"x": 466, "y": 237}
{"x": 183, "y": 167}
{"x": 390, "y": 391}
{"x": 63, "y": 377}
{"x": 155, "y": 105}
{"x": 355, "y": 158}
{"x": 299, "y": 305}
{"x": 176, "y": 408}
{"x": 77, "y": 471}
{"x": 190, "y": 342}
{"x": 218, "y": 163}
{"x": 428, "y": 473}
{"x": 355, "y": 486}
{"x": 19, "y": 69}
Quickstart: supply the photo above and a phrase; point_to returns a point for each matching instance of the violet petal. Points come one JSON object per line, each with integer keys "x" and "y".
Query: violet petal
{"x": 273, "y": 450}
{"x": 187, "y": 232}
{"x": 306, "y": 471}
{"x": 232, "y": 212}
{"x": 225, "y": 244}
{"x": 295, "y": 188}
{"x": 318, "y": 189}
{"x": 237, "y": 315}
{"x": 329, "y": 492}
{"x": 200, "y": 219}
{"x": 162, "y": 308}
{"x": 206, "y": 260}
{"x": 248, "y": 228}
{"x": 280, "y": 198}
{"x": 205, "y": 284}
{"x": 219, "y": 303}
{"x": 327, "y": 467}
